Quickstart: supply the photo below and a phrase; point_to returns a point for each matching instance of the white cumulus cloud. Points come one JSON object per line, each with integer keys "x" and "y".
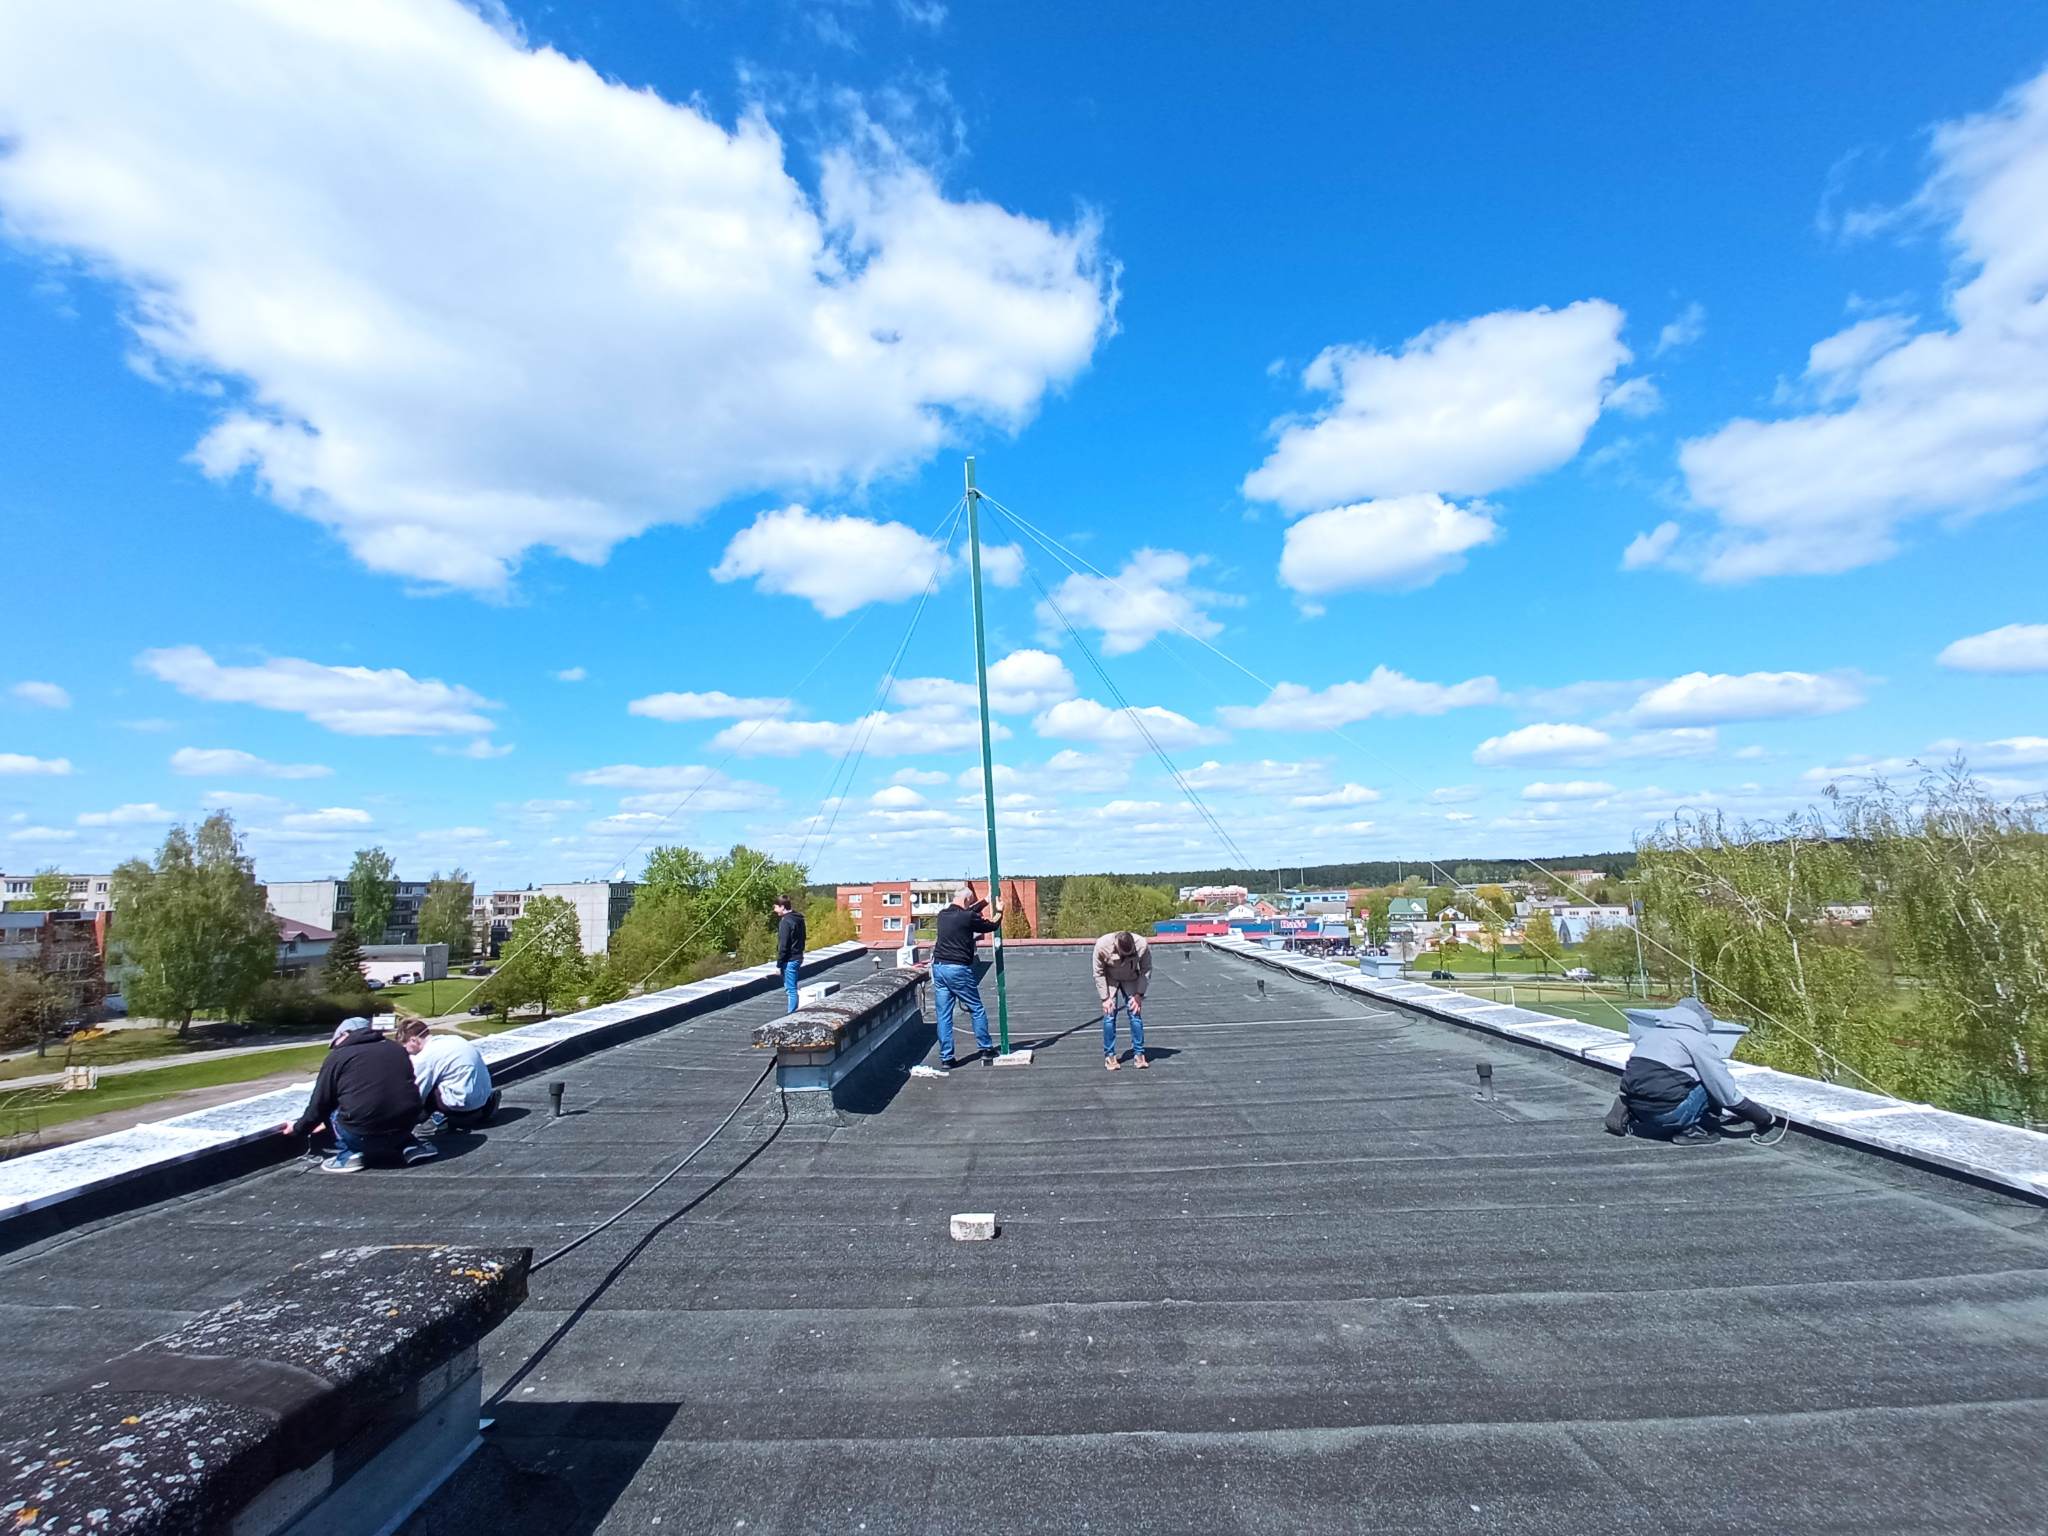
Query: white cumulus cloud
{"x": 665, "y": 786}
{"x": 1149, "y": 596}
{"x": 1465, "y": 408}
{"x": 706, "y": 706}
{"x": 330, "y": 818}
{"x": 1295, "y": 707}
{"x": 351, "y": 701}
{"x": 881, "y": 733}
{"x": 1946, "y": 420}
{"x": 23, "y": 764}
{"x": 142, "y": 815}
{"x": 1090, "y": 721}
{"x": 1399, "y": 543}
{"x": 1719, "y": 698}
{"x": 42, "y": 695}
{"x": 1689, "y": 326}
{"x": 1348, "y": 794}
{"x": 1571, "y": 789}
{"x": 461, "y": 298}
{"x": 1022, "y": 683}
{"x": 1550, "y": 742}
{"x": 2011, "y": 648}
{"x": 229, "y": 763}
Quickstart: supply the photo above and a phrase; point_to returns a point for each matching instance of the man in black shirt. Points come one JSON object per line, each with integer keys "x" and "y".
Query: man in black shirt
{"x": 366, "y": 1095}
{"x": 789, "y": 945}
{"x": 953, "y": 970}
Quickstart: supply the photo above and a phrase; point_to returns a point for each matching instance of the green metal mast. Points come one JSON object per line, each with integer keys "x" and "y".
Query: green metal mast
{"x": 988, "y": 762}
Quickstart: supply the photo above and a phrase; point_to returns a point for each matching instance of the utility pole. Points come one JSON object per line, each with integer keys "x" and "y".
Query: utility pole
{"x": 988, "y": 762}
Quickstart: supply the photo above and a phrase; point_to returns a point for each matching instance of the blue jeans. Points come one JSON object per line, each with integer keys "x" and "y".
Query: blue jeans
{"x": 789, "y": 975}
{"x": 358, "y": 1144}
{"x": 1666, "y": 1123}
{"x": 1109, "y": 1028}
{"x": 955, "y": 984}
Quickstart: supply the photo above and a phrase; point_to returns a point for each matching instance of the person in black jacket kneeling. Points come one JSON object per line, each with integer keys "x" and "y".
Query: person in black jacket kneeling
{"x": 366, "y": 1095}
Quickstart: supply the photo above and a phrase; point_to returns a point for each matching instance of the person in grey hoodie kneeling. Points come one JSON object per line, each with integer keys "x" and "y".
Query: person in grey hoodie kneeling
{"x": 1677, "y": 1086}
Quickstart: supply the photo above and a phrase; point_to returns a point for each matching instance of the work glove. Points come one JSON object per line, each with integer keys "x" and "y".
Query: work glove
{"x": 1754, "y": 1113}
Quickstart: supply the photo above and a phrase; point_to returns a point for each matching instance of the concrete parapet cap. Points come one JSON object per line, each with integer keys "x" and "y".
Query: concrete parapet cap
{"x": 2007, "y": 1156}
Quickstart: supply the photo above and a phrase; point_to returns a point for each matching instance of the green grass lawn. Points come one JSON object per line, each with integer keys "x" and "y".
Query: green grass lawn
{"x": 23, "y": 1110}
{"x": 428, "y": 998}
{"x": 125, "y": 1045}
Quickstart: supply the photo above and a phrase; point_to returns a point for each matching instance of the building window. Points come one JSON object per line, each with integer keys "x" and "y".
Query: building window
{"x": 892, "y": 898}
{"x": 853, "y": 900}
{"x": 892, "y": 925}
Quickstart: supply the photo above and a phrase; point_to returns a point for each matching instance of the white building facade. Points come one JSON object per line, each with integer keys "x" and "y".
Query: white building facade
{"x": 87, "y": 893}
{"x": 601, "y": 906}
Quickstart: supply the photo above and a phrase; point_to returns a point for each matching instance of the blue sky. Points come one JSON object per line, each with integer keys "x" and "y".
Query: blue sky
{"x": 471, "y": 431}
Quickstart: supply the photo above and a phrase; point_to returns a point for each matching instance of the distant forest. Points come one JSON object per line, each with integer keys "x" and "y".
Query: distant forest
{"x": 1390, "y": 872}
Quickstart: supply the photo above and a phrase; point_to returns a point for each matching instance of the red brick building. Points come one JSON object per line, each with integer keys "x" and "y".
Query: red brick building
{"x": 887, "y": 911}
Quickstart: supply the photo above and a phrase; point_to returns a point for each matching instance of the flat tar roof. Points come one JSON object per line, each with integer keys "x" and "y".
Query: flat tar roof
{"x": 1295, "y": 1277}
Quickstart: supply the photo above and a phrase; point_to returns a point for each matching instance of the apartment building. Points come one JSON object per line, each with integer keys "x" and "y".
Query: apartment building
{"x": 68, "y": 947}
{"x": 87, "y": 893}
{"x": 601, "y": 906}
{"x": 330, "y": 904}
{"x": 885, "y": 911}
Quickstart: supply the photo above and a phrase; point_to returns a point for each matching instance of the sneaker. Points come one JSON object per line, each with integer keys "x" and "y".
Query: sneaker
{"x": 1110, "y": 1062}
{"x": 988, "y": 1055}
{"x": 1138, "y": 1059}
{"x": 1616, "y": 1121}
{"x": 430, "y": 1127}
{"x": 343, "y": 1162}
{"x": 419, "y": 1152}
{"x": 1695, "y": 1136}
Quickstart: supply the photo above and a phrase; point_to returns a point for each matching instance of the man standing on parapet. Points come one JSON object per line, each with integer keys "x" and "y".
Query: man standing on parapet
{"x": 789, "y": 945}
{"x": 1123, "y": 965}
{"x": 953, "y": 971}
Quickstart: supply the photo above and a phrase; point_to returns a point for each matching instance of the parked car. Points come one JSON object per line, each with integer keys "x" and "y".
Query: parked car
{"x": 404, "y": 978}
{"x": 478, "y": 970}
{"x": 482, "y": 1010}
{"x": 1441, "y": 976}
{"x": 1580, "y": 973}
{"x": 374, "y": 985}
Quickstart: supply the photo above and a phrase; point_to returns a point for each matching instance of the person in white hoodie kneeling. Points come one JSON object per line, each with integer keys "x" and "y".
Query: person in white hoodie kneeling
{"x": 454, "y": 1082}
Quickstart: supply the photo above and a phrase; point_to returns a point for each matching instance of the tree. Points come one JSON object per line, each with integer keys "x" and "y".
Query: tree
{"x": 31, "y": 1003}
{"x": 1610, "y": 950}
{"x": 543, "y": 958}
{"x": 1017, "y": 922}
{"x": 342, "y": 972}
{"x": 1744, "y": 908}
{"x": 1960, "y": 884}
{"x": 1092, "y": 905}
{"x": 608, "y": 985}
{"x": 49, "y": 891}
{"x": 690, "y": 908}
{"x": 371, "y": 893}
{"x": 827, "y": 923}
{"x": 1539, "y": 938}
{"x": 445, "y": 915}
{"x": 193, "y": 927}
{"x": 1377, "y": 915}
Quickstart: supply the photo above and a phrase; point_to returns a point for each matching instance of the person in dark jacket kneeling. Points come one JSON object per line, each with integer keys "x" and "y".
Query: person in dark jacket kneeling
{"x": 1677, "y": 1086}
{"x": 366, "y": 1096}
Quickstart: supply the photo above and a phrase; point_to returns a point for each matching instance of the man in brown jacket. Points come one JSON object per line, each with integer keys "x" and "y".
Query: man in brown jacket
{"x": 1123, "y": 964}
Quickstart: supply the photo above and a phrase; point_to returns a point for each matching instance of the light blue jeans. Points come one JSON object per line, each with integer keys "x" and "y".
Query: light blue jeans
{"x": 790, "y": 970}
{"x": 1682, "y": 1116}
{"x": 956, "y": 984}
{"x": 1109, "y": 1026}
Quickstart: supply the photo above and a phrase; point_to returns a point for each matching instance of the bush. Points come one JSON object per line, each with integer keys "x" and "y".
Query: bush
{"x": 297, "y": 1005}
